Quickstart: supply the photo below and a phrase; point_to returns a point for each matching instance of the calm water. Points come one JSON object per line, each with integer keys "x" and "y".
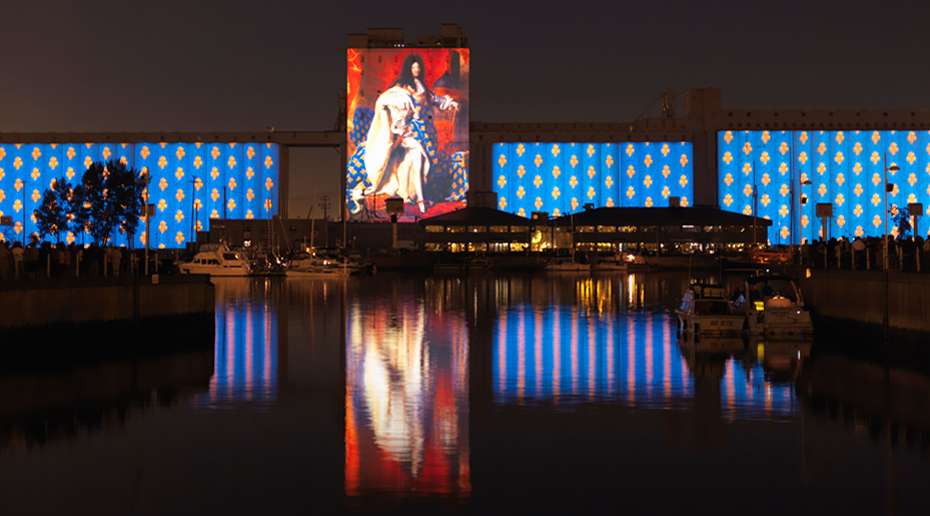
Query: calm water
{"x": 478, "y": 394}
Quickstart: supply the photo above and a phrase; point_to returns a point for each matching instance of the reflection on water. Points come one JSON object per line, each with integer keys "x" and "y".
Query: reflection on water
{"x": 246, "y": 358}
{"x": 406, "y": 397}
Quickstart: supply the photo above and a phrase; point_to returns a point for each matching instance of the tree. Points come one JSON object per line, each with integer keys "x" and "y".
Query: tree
{"x": 109, "y": 197}
{"x": 52, "y": 217}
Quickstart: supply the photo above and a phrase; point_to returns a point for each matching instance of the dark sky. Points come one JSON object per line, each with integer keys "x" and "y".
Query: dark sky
{"x": 247, "y": 65}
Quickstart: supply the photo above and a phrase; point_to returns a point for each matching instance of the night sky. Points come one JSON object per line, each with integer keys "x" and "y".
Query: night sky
{"x": 242, "y": 65}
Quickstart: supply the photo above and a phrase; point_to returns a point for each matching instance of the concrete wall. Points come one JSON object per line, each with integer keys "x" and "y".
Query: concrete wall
{"x": 859, "y": 296}
{"x": 39, "y": 303}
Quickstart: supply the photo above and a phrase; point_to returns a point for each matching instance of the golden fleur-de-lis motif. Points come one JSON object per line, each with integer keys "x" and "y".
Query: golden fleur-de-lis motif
{"x": 250, "y": 195}
{"x": 911, "y": 137}
{"x": 556, "y": 172}
{"x": 857, "y": 148}
{"x": 163, "y": 226}
{"x": 574, "y": 203}
{"x": 764, "y": 158}
{"x": 876, "y": 199}
{"x": 179, "y": 216}
{"x": 747, "y": 190}
{"x": 180, "y": 152}
{"x": 162, "y": 205}
{"x": 608, "y": 181}
{"x": 783, "y": 168}
{"x": 502, "y": 204}
{"x": 895, "y": 191}
{"x": 591, "y": 192}
{"x": 857, "y": 168}
{"x": 665, "y": 150}
{"x": 591, "y": 151}
{"x": 728, "y": 137}
{"x": 747, "y": 210}
{"x": 840, "y": 137}
{"x": 144, "y": 152}
{"x": 784, "y": 191}
{"x": 555, "y": 192}
{"x": 858, "y": 190}
{"x": 501, "y": 181}
{"x": 35, "y": 173}
{"x": 179, "y": 238}
{"x": 198, "y": 162}
{"x": 802, "y": 157}
{"x": 232, "y": 145}
{"x": 179, "y": 174}
{"x": 666, "y": 192}
{"x": 805, "y": 221}
{"x": 876, "y": 137}
{"x": 538, "y": 160}
{"x": 106, "y": 153}
{"x": 591, "y": 172}
{"x": 268, "y": 205}
{"x": 269, "y": 184}
{"x": 840, "y": 179}
{"x": 231, "y": 162}
{"x": 521, "y": 192}
{"x": 555, "y": 150}
{"x": 630, "y": 192}
{"x": 17, "y": 205}
{"x": 859, "y": 232}
{"x": 821, "y": 168}
{"x": 766, "y": 179}
{"x": 877, "y": 221}
{"x": 180, "y": 195}
{"x": 250, "y": 152}
{"x": 214, "y": 214}
{"x": 215, "y": 153}
{"x": 232, "y": 183}
{"x": 728, "y": 179}
{"x": 875, "y": 158}
{"x": 683, "y": 180}
{"x": 683, "y": 160}
{"x": 765, "y": 200}
{"x": 215, "y": 173}
{"x": 573, "y": 161}
{"x": 840, "y": 199}
{"x": 520, "y": 150}
{"x": 249, "y": 173}
{"x": 727, "y": 157}
{"x": 648, "y": 202}
{"x": 609, "y": 160}
{"x": 215, "y": 194}
{"x": 895, "y": 232}
{"x": 783, "y": 148}
{"x": 839, "y": 158}
{"x": 163, "y": 184}
{"x": 537, "y": 181}
{"x": 521, "y": 171}
{"x": 198, "y": 184}
{"x": 522, "y": 212}
{"x": 2, "y": 153}
{"x": 502, "y": 160}
{"x": 573, "y": 182}
{"x": 538, "y": 203}
{"x": 747, "y": 168}
{"x": 647, "y": 181}
{"x": 765, "y": 137}
{"x": 36, "y": 153}
{"x": 666, "y": 171}
{"x": 630, "y": 172}
{"x": 162, "y": 162}
{"x": 783, "y": 211}
{"x": 36, "y": 195}
{"x": 858, "y": 211}
{"x": 556, "y": 213}
{"x": 18, "y": 184}
{"x": 268, "y": 162}
{"x": 911, "y": 158}
{"x": 803, "y": 137}
{"x": 231, "y": 205}
{"x": 53, "y": 163}
{"x": 747, "y": 148}
{"x": 876, "y": 179}
{"x": 630, "y": 150}
{"x": 17, "y": 163}
{"x": 610, "y": 202}
{"x": 648, "y": 160}
{"x": 841, "y": 221}
{"x": 822, "y": 190}
{"x": 822, "y": 148}
{"x": 893, "y": 148}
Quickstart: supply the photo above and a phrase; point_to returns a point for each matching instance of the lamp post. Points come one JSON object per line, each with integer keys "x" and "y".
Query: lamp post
{"x": 802, "y": 180}
{"x": 893, "y": 168}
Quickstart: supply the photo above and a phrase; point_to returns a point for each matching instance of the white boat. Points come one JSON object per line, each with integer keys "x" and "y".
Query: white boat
{"x": 306, "y": 265}
{"x": 614, "y": 263}
{"x": 705, "y": 310}
{"x": 216, "y": 260}
{"x": 774, "y": 307}
{"x": 566, "y": 265}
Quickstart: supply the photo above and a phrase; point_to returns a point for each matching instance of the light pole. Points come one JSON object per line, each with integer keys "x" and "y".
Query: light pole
{"x": 893, "y": 168}
{"x": 802, "y": 180}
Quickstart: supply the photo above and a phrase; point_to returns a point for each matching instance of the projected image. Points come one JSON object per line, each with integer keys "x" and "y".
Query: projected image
{"x": 407, "y": 131}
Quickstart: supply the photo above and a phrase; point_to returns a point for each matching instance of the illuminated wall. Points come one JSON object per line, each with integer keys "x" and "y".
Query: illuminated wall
{"x": 237, "y": 180}
{"x": 407, "y": 131}
{"x": 845, "y": 167}
{"x": 561, "y": 178}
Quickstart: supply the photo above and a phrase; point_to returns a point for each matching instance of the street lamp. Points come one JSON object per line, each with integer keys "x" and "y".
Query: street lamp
{"x": 802, "y": 180}
{"x": 888, "y": 186}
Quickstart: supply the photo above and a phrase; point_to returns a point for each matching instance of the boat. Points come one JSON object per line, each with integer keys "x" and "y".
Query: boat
{"x": 217, "y": 260}
{"x": 566, "y": 265}
{"x": 311, "y": 265}
{"x": 705, "y": 310}
{"x": 614, "y": 263}
{"x": 774, "y": 307}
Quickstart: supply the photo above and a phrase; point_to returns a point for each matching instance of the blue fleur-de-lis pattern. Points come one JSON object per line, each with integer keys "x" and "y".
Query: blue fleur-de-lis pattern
{"x": 248, "y": 172}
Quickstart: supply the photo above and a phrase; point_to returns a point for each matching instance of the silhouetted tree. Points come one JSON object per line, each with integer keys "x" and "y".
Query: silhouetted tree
{"x": 53, "y": 215}
{"x": 109, "y": 197}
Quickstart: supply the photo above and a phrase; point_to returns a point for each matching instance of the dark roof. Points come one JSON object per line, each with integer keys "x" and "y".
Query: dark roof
{"x": 478, "y": 217}
{"x": 698, "y": 216}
